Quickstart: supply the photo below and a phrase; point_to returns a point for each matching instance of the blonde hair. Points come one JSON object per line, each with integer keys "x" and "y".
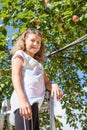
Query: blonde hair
{"x": 20, "y": 44}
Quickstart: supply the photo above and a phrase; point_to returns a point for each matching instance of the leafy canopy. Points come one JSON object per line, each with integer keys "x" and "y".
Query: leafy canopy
{"x": 54, "y": 19}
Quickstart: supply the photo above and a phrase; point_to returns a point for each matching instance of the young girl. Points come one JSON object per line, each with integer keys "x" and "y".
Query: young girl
{"x": 29, "y": 80}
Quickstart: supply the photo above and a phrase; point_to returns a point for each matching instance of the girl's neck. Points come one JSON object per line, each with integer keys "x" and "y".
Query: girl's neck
{"x": 28, "y": 53}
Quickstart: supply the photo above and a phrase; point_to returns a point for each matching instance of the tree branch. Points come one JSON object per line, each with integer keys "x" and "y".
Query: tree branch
{"x": 69, "y": 45}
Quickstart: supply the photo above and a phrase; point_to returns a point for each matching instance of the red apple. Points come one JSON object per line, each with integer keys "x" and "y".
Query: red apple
{"x": 75, "y": 18}
{"x": 37, "y": 23}
{"x": 46, "y": 1}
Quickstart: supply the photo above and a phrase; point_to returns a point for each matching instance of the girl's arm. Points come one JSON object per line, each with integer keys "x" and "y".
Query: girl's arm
{"x": 54, "y": 88}
{"x": 17, "y": 64}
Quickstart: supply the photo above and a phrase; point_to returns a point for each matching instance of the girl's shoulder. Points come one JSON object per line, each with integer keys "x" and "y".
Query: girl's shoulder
{"x": 18, "y": 53}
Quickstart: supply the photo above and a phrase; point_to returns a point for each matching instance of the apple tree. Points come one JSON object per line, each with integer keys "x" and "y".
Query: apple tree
{"x": 62, "y": 22}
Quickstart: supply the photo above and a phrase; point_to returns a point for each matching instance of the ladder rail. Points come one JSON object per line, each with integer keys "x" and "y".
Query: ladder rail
{"x": 5, "y": 112}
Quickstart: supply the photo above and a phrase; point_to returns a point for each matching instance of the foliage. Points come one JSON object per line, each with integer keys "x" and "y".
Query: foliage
{"x": 54, "y": 19}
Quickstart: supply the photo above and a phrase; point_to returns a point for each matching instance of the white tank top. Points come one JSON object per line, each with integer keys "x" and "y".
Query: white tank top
{"x": 32, "y": 81}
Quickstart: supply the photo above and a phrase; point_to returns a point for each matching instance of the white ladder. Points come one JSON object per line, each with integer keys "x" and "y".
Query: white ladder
{"x": 5, "y": 111}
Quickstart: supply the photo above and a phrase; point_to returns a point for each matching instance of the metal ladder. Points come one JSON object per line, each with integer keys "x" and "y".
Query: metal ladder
{"x": 5, "y": 111}
{"x": 4, "y": 114}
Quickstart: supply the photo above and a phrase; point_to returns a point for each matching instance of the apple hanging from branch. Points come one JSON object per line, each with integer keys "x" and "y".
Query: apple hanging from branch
{"x": 37, "y": 23}
{"x": 46, "y": 1}
{"x": 75, "y": 18}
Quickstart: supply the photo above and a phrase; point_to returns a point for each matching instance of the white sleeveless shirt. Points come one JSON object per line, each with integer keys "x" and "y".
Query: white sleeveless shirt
{"x": 32, "y": 81}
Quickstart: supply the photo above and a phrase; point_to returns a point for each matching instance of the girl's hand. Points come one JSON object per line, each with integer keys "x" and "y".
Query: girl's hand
{"x": 25, "y": 110}
{"x": 57, "y": 91}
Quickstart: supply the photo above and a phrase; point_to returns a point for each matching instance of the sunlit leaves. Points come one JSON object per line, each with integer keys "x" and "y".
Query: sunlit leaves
{"x": 54, "y": 19}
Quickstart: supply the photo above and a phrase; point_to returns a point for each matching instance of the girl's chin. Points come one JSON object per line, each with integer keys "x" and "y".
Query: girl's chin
{"x": 32, "y": 53}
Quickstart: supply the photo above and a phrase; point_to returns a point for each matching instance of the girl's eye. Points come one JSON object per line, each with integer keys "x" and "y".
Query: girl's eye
{"x": 38, "y": 42}
{"x": 32, "y": 40}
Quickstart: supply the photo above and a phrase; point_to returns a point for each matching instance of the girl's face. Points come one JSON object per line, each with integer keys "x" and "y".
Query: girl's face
{"x": 33, "y": 44}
